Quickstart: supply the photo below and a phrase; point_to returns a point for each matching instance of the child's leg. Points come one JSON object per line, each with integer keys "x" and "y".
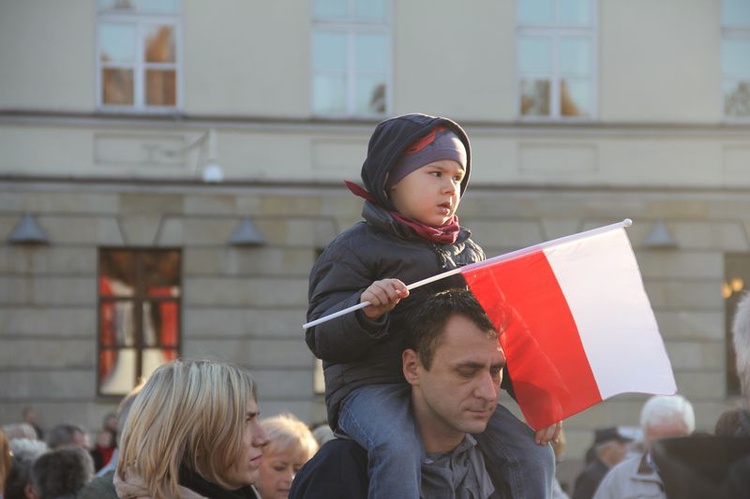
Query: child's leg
{"x": 514, "y": 459}
{"x": 378, "y": 418}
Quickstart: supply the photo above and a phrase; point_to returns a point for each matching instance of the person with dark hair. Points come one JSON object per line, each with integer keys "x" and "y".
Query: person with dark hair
{"x": 61, "y": 473}
{"x": 416, "y": 171}
{"x": 67, "y": 434}
{"x": 29, "y": 416}
{"x": 610, "y": 447}
{"x": 453, "y": 365}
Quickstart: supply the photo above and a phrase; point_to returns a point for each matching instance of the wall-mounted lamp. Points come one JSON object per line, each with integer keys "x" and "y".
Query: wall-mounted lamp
{"x": 660, "y": 237}
{"x": 27, "y": 231}
{"x": 212, "y": 172}
{"x": 207, "y": 157}
{"x": 246, "y": 235}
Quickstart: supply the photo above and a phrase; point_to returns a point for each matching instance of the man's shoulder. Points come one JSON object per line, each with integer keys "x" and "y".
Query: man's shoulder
{"x": 337, "y": 471}
{"x": 100, "y": 487}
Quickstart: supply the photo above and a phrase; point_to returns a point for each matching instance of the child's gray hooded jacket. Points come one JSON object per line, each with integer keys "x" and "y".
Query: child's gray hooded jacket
{"x": 355, "y": 350}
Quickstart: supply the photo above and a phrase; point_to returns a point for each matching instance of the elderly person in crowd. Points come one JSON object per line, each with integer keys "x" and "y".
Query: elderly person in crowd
{"x": 661, "y": 417}
{"x": 290, "y": 445}
{"x": 18, "y": 482}
{"x": 193, "y": 432}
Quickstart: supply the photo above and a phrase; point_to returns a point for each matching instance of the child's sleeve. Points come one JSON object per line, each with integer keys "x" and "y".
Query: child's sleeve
{"x": 337, "y": 281}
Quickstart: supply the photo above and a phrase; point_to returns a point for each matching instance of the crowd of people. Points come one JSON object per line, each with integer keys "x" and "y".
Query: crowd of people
{"x": 413, "y": 382}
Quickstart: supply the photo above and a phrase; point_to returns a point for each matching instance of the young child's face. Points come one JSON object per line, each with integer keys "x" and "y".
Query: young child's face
{"x": 430, "y": 194}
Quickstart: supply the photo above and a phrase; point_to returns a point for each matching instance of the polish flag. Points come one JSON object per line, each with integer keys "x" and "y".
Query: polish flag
{"x": 577, "y": 326}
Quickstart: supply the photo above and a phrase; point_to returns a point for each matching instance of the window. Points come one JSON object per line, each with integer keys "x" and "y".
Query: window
{"x": 139, "y": 315}
{"x": 138, "y": 55}
{"x": 350, "y": 57}
{"x": 556, "y": 51}
{"x": 735, "y": 58}
{"x": 736, "y": 282}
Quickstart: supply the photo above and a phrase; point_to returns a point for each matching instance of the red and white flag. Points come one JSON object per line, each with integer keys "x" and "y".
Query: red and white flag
{"x": 577, "y": 326}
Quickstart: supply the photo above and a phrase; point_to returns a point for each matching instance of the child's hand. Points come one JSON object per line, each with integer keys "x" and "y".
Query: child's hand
{"x": 546, "y": 435}
{"x": 383, "y": 296}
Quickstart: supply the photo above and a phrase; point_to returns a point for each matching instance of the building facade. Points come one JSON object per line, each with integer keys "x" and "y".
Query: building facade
{"x": 183, "y": 162}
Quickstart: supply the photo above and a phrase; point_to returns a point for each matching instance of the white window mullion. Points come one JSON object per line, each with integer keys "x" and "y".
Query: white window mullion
{"x": 351, "y": 79}
{"x": 555, "y": 78}
{"x": 139, "y": 71}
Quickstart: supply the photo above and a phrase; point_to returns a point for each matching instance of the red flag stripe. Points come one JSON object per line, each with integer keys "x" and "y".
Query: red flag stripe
{"x": 523, "y": 296}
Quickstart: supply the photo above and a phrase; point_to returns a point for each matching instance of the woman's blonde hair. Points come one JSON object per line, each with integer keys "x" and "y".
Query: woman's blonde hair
{"x": 6, "y": 456}
{"x": 286, "y": 432}
{"x": 191, "y": 413}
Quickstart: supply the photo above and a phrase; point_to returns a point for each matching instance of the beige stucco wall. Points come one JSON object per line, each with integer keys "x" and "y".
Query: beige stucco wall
{"x": 660, "y": 61}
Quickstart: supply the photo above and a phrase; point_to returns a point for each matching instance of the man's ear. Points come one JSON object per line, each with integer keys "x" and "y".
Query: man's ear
{"x": 410, "y": 365}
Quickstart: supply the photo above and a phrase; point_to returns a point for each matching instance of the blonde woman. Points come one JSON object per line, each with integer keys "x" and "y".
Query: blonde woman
{"x": 193, "y": 432}
{"x": 291, "y": 444}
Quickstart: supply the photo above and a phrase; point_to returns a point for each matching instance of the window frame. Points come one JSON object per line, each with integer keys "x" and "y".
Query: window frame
{"x": 732, "y": 33}
{"x": 351, "y": 27}
{"x": 556, "y": 32}
{"x": 139, "y": 65}
{"x": 139, "y": 298}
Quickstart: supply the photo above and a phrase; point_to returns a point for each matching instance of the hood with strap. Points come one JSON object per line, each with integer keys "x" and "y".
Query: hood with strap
{"x": 390, "y": 139}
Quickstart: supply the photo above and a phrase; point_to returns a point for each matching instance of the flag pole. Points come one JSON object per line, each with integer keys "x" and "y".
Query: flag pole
{"x": 500, "y": 258}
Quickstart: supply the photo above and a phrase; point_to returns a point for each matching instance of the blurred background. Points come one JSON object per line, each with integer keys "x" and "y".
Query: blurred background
{"x": 171, "y": 169}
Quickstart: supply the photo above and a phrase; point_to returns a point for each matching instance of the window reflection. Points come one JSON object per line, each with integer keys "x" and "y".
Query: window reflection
{"x": 138, "y": 53}
{"x": 161, "y": 88}
{"x": 535, "y": 54}
{"x": 329, "y": 51}
{"x": 575, "y": 12}
{"x": 370, "y": 94}
{"x": 574, "y": 98}
{"x": 535, "y": 97}
{"x": 329, "y": 9}
{"x": 159, "y": 46}
{"x": 350, "y": 57}
{"x": 369, "y": 10}
{"x": 532, "y": 12}
{"x": 118, "y": 87}
{"x": 370, "y": 52}
{"x": 737, "y": 99}
{"x": 139, "y": 315}
{"x": 116, "y": 42}
{"x": 555, "y": 46}
{"x": 735, "y": 13}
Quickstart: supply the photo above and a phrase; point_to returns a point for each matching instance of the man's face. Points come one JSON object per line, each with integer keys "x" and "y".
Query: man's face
{"x": 459, "y": 393}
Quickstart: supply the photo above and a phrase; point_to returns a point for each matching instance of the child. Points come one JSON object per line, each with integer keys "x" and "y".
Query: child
{"x": 416, "y": 170}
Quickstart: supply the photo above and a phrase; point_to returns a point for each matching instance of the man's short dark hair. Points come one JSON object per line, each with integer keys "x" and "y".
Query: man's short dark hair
{"x": 427, "y": 323}
{"x": 61, "y": 472}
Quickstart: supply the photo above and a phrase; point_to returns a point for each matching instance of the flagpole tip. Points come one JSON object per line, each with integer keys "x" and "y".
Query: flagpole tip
{"x": 627, "y": 222}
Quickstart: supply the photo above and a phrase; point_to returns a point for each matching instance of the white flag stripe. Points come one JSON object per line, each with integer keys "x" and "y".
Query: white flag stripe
{"x": 600, "y": 279}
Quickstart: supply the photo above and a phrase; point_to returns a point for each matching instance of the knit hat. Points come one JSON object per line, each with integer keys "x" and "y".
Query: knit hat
{"x": 441, "y": 143}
